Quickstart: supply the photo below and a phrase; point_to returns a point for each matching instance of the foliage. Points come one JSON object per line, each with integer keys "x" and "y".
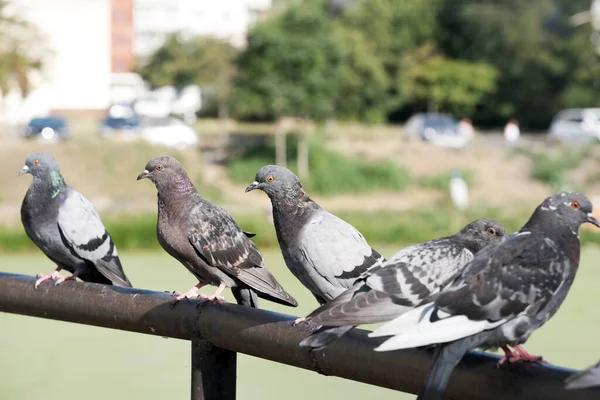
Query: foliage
{"x": 21, "y": 52}
{"x": 291, "y": 66}
{"x": 203, "y": 61}
{"x": 552, "y": 167}
{"x": 542, "y": 60}
{"x": 400, "y": 228}
{"x": 331, "y": 172}
{"x": 373, "y": 60}
{"x": 446, "y": 85}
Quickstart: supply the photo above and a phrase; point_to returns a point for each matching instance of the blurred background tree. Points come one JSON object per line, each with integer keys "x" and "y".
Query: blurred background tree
{"x": 21, "y": 53}
{"x": 203, "y": 61}
{"x": 291, "y": 68}
{"x": 381, "y": 60}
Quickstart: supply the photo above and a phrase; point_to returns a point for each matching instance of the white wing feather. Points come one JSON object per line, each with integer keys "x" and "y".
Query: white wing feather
{"x": 414, "y": 329}
{"x": 80, "y": 224}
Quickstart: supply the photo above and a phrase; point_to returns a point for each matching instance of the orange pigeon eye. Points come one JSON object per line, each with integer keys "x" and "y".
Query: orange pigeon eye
{"x": 36, "y": 162}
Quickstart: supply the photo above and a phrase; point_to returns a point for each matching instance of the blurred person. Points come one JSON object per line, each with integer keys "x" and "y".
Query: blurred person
{"x": 459, "y": 191}
{"x": 465, "y": 128}
{"x": 512, "y": 133}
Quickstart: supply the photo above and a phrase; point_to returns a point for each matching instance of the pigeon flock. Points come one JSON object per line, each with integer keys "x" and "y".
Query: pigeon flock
{"x": 479, "y": 288}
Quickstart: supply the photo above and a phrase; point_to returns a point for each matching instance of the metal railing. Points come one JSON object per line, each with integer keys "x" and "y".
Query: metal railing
{"x": 218, "y": 331}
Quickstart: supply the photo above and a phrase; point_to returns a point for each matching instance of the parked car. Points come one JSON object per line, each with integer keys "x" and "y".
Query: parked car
{"x": 429, "y": 125}
{"x": 576, "y": 125}
{"x": 170, "y": 132}
{"x": 47, "y": 129}
{"x": 119, "y": 125}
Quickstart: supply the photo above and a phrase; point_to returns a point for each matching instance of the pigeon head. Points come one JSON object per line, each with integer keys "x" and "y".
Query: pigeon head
{"x": 167, "y": 174}
{"x": 565, "y": 208}
{"x": 480, "y": 232}
{"x": 42, "y": 166}
{"x": 275, "y": 180}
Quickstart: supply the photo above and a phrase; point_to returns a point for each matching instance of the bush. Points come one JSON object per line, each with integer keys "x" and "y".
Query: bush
{"x": 552, "y": 167}
{"x": 330, "y": 172}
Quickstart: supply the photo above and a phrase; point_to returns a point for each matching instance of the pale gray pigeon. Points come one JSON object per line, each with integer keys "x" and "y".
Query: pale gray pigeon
{"x": 587, "y": 378}
{"x": 324, "y": 252}
{"x": 412, "y": 276}
{"x": 208, "y": 241}
{"x": 67, "y": 228}
{"x": 509, "y": 289}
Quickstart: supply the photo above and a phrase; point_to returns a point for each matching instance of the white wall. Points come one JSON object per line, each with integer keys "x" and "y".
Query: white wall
{"x": 77, "y": 33}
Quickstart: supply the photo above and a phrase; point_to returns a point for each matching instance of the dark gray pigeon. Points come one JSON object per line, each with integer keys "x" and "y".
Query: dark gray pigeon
{"x": 411, "y": 276}
{"x": 509, "y": 289}
{"x": 208, "y": 241}
{"x": 324, "y": 252}
{"x": 67, "y": 228}
{"x": 587, "y": 378}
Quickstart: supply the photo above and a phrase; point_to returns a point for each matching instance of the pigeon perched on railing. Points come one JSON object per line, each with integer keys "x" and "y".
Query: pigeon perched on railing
{"x": 207, "y": 241}
{"x": 589, "y": 377}
{"x": 509, "y": 289}
{"x": 404, "y": 281}
{"x": 67, "y": 228}
{"x": 324, "y": 252}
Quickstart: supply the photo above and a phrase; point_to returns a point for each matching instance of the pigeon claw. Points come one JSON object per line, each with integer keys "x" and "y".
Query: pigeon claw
{"x": 519, "y": 355}
{"x": 63, "y": 279}
{"x": 299, "y": 320}
{"x": 42, "y": 278}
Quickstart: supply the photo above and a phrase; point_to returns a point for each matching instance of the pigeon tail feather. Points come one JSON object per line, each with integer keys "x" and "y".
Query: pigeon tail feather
{"x": 325, "y": 336}
{"x": 245, "y": 296}
{"x": 445, "y": 358}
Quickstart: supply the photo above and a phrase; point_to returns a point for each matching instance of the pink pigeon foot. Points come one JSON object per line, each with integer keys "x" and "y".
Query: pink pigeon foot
{"x": 65, "y": 278}
{"x": 299, "y": 320}
{"x": 217, "y": 296}
{"x": 42, "y": 278}
{"x": 519, "y": 354}
{"x": 190, "y": 294}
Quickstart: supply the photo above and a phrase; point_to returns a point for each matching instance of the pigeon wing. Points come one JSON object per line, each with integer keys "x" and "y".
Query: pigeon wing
{"x": 219, "y": 240}
{"x": 503, "y": 281}
{"x": 84, "y": 234}
{"x": 335, "y": 250}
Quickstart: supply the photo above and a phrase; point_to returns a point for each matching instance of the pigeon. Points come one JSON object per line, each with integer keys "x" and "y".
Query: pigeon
{"x": 510, "y": 289}
{"x": 207, "y": 241}
{"x": 410, "y": 277}
{"x": 67, "y": 228}
{"x": 324, "y": 252}
{"x": 585, "y": 379}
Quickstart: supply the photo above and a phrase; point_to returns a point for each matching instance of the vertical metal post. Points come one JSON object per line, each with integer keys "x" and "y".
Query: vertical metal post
{"x": 213, "y": 372}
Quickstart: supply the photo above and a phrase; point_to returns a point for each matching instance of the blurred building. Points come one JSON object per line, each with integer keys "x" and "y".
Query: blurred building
{"x": 227, "y": 19}
{"x": 92, "y": 45}
{"x": 121, "y": 35}
{"x": 76, "y": 35}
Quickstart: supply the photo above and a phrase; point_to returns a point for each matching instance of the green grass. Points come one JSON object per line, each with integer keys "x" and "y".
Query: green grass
{"x": 442, "y": 180}
{"x": 331, "y": 172}
{"x": 43, "y": 359}
{"x": 396, "y": 228}
{"x": 552, "y": 166}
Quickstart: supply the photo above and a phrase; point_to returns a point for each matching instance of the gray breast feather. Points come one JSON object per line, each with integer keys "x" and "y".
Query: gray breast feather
{"x": 332, "y": 246}
{"x": 82, "y": 228}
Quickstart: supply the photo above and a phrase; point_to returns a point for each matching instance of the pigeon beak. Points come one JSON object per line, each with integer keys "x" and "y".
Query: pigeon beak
{"x": 252, "y": 186}
{"x": 592, "y": 220}
{"x": 24, "y": 170}
{"x": 143, "y": 175}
